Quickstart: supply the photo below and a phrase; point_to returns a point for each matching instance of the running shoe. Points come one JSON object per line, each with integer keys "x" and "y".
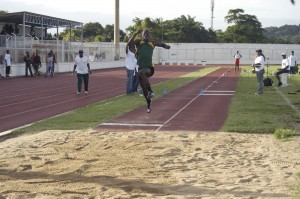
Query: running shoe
{"x": 141, "y": 93}
{"x": 149, "y": 101}
{"x": 150, "y": 94}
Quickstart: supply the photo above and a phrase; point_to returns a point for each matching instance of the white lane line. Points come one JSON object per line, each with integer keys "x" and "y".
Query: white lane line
{"x": 39, "y": 98}
{"x": 219, "y": 91}
{"x": 216, "y": 94}
{"x": 178, "y": 112}
{"x": 178, "y": 98}
{"x": 287, "y": 101}
{"x": 59, "y": 103}
{"x": 11, "y": 130}
{"x": 128, "y": 124}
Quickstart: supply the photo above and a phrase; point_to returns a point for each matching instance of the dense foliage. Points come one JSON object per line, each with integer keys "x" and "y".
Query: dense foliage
{"x": 242, "y": 28}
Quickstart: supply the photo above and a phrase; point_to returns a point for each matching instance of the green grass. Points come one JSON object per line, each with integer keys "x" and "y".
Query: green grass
{"x": 296, "y": 188}
{"x": 92, "y": 115}
{"x": 250, "y": 113}
{"x": 285, "y": 134}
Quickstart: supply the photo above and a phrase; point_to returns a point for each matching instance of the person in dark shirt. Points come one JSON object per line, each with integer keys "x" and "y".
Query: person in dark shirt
{"x": 37, "y": 64}
{"x": 144, "y": 51}
{"x": 27, "y": 60}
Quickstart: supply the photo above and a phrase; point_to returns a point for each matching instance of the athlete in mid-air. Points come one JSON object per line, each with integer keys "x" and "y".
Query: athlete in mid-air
{"x": 144, "y": 51}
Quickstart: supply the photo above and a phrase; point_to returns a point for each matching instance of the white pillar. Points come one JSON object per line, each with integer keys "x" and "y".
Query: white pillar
{"x": 116, "y": 26}
{"x": 117, "y": 31}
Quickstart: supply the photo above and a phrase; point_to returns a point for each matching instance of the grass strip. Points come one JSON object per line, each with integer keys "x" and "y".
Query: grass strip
{"x": 250, "y": 113}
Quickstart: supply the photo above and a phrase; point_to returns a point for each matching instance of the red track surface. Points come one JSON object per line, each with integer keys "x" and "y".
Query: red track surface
{"x": 27, "y": 100}
{"x": 185, "y": 108}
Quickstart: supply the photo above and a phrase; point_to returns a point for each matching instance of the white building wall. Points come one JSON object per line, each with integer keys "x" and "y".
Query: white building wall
{"x": 216, "y": 53}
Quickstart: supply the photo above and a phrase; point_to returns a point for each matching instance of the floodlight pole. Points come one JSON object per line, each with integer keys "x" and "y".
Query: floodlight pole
{"x": 24, "y": 32}
{"x": 212, "y": 13}
{"x": 117, "y": 30}
{"x": 116, "y": 26}
{"x": 162, "y": 30}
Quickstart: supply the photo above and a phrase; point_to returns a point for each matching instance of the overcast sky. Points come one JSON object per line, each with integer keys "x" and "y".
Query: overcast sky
{"x": 268, "y": 12}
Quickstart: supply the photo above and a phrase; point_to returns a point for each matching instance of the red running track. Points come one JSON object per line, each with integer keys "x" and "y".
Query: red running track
{"x": 27, "y": 100}
{"x": 185, "y": 109}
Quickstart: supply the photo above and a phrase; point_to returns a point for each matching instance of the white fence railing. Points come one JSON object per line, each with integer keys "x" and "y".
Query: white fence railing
{"x": 180, "y": 53}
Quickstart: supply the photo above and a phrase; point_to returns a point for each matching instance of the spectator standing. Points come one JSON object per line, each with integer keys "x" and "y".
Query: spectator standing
{"x": 83, "y": 70}
{"x": 259, "y": 64}
{"x": 131, "y": 69}
{"x": 54, "y": 61}
{"x": 27, "y": 61}
{"x": 2, "y": 63}
{"x": 32, "y": 60}
{"x": 49, "y": 65}
{"x": 237, "y": 58}
{"x": 8, "y": 60}
{"x": 285, "y": 68}
{"x": 293, "y": 63}
{"x": 37, "y": 64}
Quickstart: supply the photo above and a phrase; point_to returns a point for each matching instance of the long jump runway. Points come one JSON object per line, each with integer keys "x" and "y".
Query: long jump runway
{"x": 27, "y": 100}
{"x": 198, "y": 106}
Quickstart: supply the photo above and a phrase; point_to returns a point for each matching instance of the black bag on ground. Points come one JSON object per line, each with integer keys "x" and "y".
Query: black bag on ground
{"x": 268, "y": 82}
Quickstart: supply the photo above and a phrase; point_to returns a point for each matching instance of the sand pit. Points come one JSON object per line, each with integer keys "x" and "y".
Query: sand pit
{"x": 139, "y": 164}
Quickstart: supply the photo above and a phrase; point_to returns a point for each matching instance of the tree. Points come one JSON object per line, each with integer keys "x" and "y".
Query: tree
{"x": 91, "y": 30}
{"x": 246, "y": 28}
{"x": 182, "y": 29}
{"x": 3, "y": 12}
{"x": 153, "y": 25}
{"x": 75, "y": 34}
{"x": 186, "y": 29}
{"x": 285, "y": 34}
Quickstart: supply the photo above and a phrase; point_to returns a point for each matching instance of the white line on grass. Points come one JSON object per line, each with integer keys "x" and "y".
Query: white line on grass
{"x": 288, "y": 101}
{"x": 178, "y": 112}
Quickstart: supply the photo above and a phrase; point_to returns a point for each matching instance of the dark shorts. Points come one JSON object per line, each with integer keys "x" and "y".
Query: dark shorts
{"x": 152, "y": 71}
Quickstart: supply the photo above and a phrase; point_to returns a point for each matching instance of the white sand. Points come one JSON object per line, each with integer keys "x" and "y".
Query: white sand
{"x": 148, "y": 165}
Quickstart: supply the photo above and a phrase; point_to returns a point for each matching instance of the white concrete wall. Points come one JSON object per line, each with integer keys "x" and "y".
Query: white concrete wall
{"x": 217, "y": 53}
{"x": 184, "y": 53}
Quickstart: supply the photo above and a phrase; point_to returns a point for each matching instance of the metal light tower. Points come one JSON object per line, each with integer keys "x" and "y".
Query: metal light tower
{"x": 212, "y": 6}
{"x": 117, "y": 29}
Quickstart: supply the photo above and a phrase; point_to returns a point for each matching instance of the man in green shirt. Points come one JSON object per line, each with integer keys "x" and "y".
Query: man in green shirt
{"x": 144, "y": 52}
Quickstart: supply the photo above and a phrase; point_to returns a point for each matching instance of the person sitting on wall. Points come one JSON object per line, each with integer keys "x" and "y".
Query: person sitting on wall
{"x": 285, "y": 68}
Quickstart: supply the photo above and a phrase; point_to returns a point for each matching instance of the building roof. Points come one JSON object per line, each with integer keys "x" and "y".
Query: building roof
{"x": 37, "y": 20}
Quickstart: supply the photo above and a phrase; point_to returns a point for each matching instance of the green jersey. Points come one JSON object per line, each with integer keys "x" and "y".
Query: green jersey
{"x": 144, "y": 54}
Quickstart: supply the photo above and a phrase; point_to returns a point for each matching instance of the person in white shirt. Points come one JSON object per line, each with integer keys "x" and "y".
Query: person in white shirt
{"x": 259, "y": 64}
{"x": 8, "y": 61}
{"x": 237, "y": 58}
{"x": 293, "y": 63}
{"x": 285, "y": 68}
{"x": 131, "y": 69}
{"x": 83, "y": 70}
{"x": 49, "y": 65}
